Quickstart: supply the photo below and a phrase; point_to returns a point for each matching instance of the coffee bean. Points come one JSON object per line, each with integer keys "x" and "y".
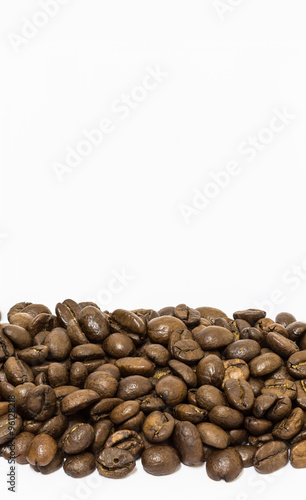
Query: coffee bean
{"x": 298, "y": 455}
{"x": 184, "y": 372}
{"x": 224, "y": 464}
{"x": 171, "y": 389}
{"x": 78, "y": 400}
{"x": 41, "y": 402}
{"x": 135, "y": 366}
{"x": 55, "y": 464}
{"x": 158, "y": 426}
{"x": 264, "y": 364}
{"x": 210, "y": 371}
{"x": 301, "y": 393}
{"x": 226, "y": 417}
{"x": 10, "y": 426}
{"x": 250, "y": 315}
{"x": 21, "y": 444}
{"x": 285, "y": 319}
{"x": 157, "y": 353}
{"x": 208, "y": 396}
{"x": 187, "y": 441}
{"x": 126, "y": 440}
{"x": 17, "y": 371}
{"x": 290, "y": 426}
{"x": 296, "y": 365}
{"x": 243, "y": 349}
{"x": 58, "y": 343}
{"x": 190, "y": 413}
{"x": 80, "y": 465}
{"x": 214, "y": 337}
{"x": 246, "y": 453}
{"x": 281, "y": 388}
{"x": 77, "y": 438}
{"x": 270, "y": 457}
{"x": 213, "y": 435}
{"x": 133, "y": 387}
{"x": 239, "y": 394}
{"x": 42, "y": 450}
{"x": 94, "y": 324}
{"x": 160, "y": 329}
{"x": 160, "y": 460}
{"x": 115, "y": 463}
{"x": 118, "y": 345}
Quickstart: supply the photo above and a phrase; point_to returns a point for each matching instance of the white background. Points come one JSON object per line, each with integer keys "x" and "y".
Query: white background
{"x": 120, "y": 210}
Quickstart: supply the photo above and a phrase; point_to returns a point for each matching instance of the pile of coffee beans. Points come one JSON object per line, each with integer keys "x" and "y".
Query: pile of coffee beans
{"x": 86, "y": 389}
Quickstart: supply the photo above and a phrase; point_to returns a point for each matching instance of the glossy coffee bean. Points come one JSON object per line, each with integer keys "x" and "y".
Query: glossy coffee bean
{"x": 171, "y": 389}
{"x": 42, "y": 450}
{"x": 210, "y": 371}
{"x": 189, "y": 413}
{"x": 224, "y": 464}
{"x": 41, "y": 403}
{"x": 239, "y": 394}
{"x": 270, "y": 457}
{"x": 115, "y": 463}
{"x": 158, "y": 426}
{"x": 243, "y": 349}
{"x": 296, "y": 365}
{"x": 80, "y": 465}
{"x": 213, "y": 435}
{"x": 126, "y": 439}
{"x": 160, "y": 460}
{"x": 298, "y": 455}
{"x": 77, "y": 438}
{"x": 187, "y": 441}
{"x": 208, "y": 396}
{"x": 290, "y": 426}
{"x": 246, "y": 453}
{"x": 226, "y": 417}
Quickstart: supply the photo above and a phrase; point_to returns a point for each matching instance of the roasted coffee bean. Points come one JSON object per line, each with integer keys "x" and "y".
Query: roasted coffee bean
{"x": 103, "y": 383}
{"x": 211, "y": 313}
{"x": 238, "y": 436}
{"x": 235, "y": 369}
{"x": 75, "y": 334}
{"x": 224, "y": 464}
{"x": 160, "y": 329}
{"x": 54, "y": 465}
{"x": 19, "y": 336}
{"x": 58, "y": 343}
{"x": 124, "y": 412}
{"x": 210, "y": 371}
{"x": 77, "y": 438}
{"x": 42, "y": 450}
{"x": 279, "y": 344}
{"x": 250, "y": 315}
{"x": 78, "y": 400}
{"x": 279, "y": 410}
{"x": 151, "y": 402}
{"x": 94, "y": 324}
{"x": 261, "y": 439}
{"x": 57, "y": 375}
{"x": 213, "y": 435}
{"x": 17, "y": 371}
{"x": 103, "y": 408}
{"x": 102, "y": 430}
{"x": 188, "y": 351}
{"x": 290, "y": 426}
{"x": 6, "y": 347}
{"x": 263, "y": 403}
{"x": 214, "y": 337}
{"x": 285, "y": 319}
{"x": 55, "y": 426}
{"x": 126, "y": 440}
{"x": 134, "y": 387}
{"x": 257, "y": 426}
{"x": 187, "y": 441}
{"x": 298, "y": 455}
{"x": 41, "y": 403}
{"x": 160, "y": 460}
{"x": 135, "y": 366}
{"x": 252, "y": 333}
{"x": 184, "y": 372}
{"x": 67, "y": 311}
{"x": 226, "y": 417}
{"x": 243, "y": 349}
{"x": 34, "y": 355}
{"x": 239, "y": 394}
{"x": 21, "y": 445}
{"x": 246, "y": 453}
{"x": 171, "y": 389}
{"x": 296, "y": 330}
{"x": 80, "y": 465}
{"x": 158, "y": 426}
{"x": 191, "y": 317}
{"x": 129, "y": 321}
{"x": 270, "y": 457}
{"x": 190, "y": 413}
{"x": 280, "y": 387}
{"x": 301, "y": 393}
{"x": 208, "y": 396}
{"x": 296, "y": 365}
{"x": 264, "y": 364}
{"x": 20, "y": 394}
{"x": 157, "y": 353}
{"x": 78, "y": 374}
{"x": 118, "y": 345}
{"x": 115, "y": 463}
{"x": 10, "y": 425}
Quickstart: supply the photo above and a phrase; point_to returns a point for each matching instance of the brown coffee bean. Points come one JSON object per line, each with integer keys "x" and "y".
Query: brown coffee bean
{"x": 75, "y": 334}
{"x": 263, "y": 403}
{"x": 296, "y": 330}
{"x": 250, "y": 315}
{"x": 102, "y": 430}
{"x": 128, "y": 440}
{"x": 78, "y": 374}
{"x": 290, "y": 426}
{"x": 115, "y": 463}
{"x": 213, "y": 435}
{"x": 158, "y": 426}
{"x": 118, "y": 345}
{"x": 243, "y": 349}
{"x": 188, "y": 351}
{"x": 67, "y": 311}
{"x": 191, "y": 317}
{"x": 57, "y": 375}
{"x": 20, "y": 394}
{"x": 226, "y": 417}
{"x": 190, "y": 413}
{"x": 135, "y": 366}
{"x": 301, "y": 393}
{"x": 103, "y": 408}
{"x": 42, "y": 450}
{"x": 55, "y": 426}
{"x": 21, "y": 444}
{"x": 280, "y": 387}
{"x": 94, "y": 324}
{"x": 124, "y": 411}
{"x": 298, "y": 455}
{"x": 34, "y": 355}
{"x": 6, "y": 347}
{"x": 17, "y": 371}
{"x": 187, "y": 441}
{"x": 80, "y": 465}
{"x": 239, "y": 394}
{"x": 210, "y": 371}
{"x": 246, "y": 453}
{"x": 279, "y": 410}
{"x": 285, "y": 319}
{"x": 264, "y": 364}
{"x": 214, "y": 337}
{"x": 102, "y": 383}
{"x": 257, "y": 426}
{"x": 134, "y": 387}
{"x": 160, "y": 329}
{"x": 282, "y": 346}
{"x": 77, "y": 438}
{"x": 78, "y": 400}
{"x": 129, "y": 321}
{"x": 184, "y": 372}
{"x": 10, "y": 425}
{"x": 157, "y": 353}
{"x": 41, "y": 403}
{"x": 19, "y": 336}
{"x": 238, "y": 436}
{"x": 160, "y": 460}
{"x": 151, "y": 402}
{"x": 296, "y": 365}
{"x": 208, "y": 396}
{"x": 58, "y": 343}
{"x": 211, "y": 313}
{"x": 224, "y": 464}
{"x": 53, "y": 466}
{"x": 270, "y": 457}
{"x": 171, "y": 389}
